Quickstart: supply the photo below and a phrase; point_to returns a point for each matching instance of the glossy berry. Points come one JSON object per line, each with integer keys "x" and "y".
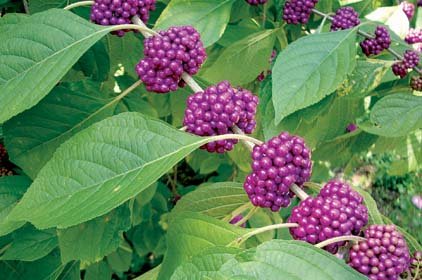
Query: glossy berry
{"x": 410, "y": 59}
{"x": 416, "y": 83}
{"x": 262, "y": 75}
{"x": 277, "y": 164}
{"x": 298, "y": 11}
{"x": 376, "y": 45}
{"x": 216, "y": 110}
{"x": 237, "y": 219}
{"x": 414, "y": 36}
{"x": 256, "y": 2}
{"x": 338, "y": 210}
{"x": 168, "y": 55}
{"x": 351, "y": 127}
{"x": 383, "y": 255}
{"x": 5, "y": 172}
{"x": 345, "y": 18}
{"x": 114, "y": 12}
{"x": 408, "y": 8}
{"x": 399, "y": 69}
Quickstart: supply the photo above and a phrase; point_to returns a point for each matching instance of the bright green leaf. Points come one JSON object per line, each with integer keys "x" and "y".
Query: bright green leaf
{"x": 310, "y": 69}
{"x": 97, "y": 271}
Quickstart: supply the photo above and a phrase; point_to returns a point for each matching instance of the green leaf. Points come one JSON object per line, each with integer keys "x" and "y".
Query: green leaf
{"x": 99, "y": 270}
{"x": 36, "y": 6}
{"x": 120, "y": 47}
{"x": 216, "y": 200}
{"x": 395, "y": 115}
{"x": 30, "y": 244}
{"x": 241, "y": 62}
{"x": 189, "y": 233}
{"x": 95, "y": 63}
{"x": 150, "y": 275}
{"x": 292, "y": 259}
{"x": 375, "y": 217}
{"x": 36, "y": 53}
{"x": 121, "y": 259}
{"x": 12, "y": 189}
{"x": 92, "y": 240}
{"x": 33, "y": 136}
{"x": 71, "y": 271}
{"x": 102, "y": 167}
{"x": 310, "y": 69}
{"x": 209, "y": 17}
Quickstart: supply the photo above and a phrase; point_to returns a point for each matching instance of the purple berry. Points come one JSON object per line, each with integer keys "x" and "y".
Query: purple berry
{"x": 338, "y": 210}
{"x": 168, "y": 55}
{"x": 237, "y": 219}
{"x": 114, "y": 12}
{"x": 414, "y": 36}
{"x": 256, "y": 2}
{"x": 5, "y": 172}
{"x": 419, "y": 3}
{"x": 408, "y": 8}
{"x": 277, "y": 164}
{"x": 399, "y": 69}
{"x": 376, "y": 45}
{"x": 262, "y": 75}
{"x": 416, "y": 83}
{"x": 345, "y": 18}
{"x": 216, "y": 110}
{"x": 415, "y": 267}
{"x": 298, "y": 11}
{"x": 410, "y": 59}
{"x": 383, "y": 255}
{"x": 351, "y": 127}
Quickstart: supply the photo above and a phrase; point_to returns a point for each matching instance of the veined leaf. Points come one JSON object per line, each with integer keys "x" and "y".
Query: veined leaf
{"x": 310, "y": 69}
{"x": 36, "y": 53}
{"x": 209, "y": 17}
{"x": 102, "y": 167}
{"x": 12, "y": 189}
{"x": 33, "y": 136}
{"x": 241, "y": 62}
{"x": 216, "y": 200}
{"x": 395, "y": 115}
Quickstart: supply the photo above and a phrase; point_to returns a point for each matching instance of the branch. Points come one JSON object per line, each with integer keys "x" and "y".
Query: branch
{"x": 339, "y": 239}
{"x": 79, "y": 4}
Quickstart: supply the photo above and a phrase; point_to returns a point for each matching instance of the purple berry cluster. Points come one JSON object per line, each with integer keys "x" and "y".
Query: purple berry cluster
{"x": 168, "y": 55}
{"x": 416, "y": 83}
{"x": 408, "y": 8}
{"x": 414, "y": 36}
{"x": 298, "y": 11}
{"x": 256, "y": 2}
{"x": 237, "y": 219}
{"x": 277, "y": 164}
{"x": 376, "y": 45}
{"x": 383, "y": 255}
{"x": 410, "y": 60}
{"x": 345, "y": 18}
{"x": 216, "y": 110}
{"x": 114, "y": 12}
{"x": 351, "y": 127}
{"x": 338, "y": 210}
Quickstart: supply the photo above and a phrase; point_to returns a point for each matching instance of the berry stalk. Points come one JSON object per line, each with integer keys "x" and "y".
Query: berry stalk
{"x": 247, "y": 217}
{"x": 79, "y": 4}
{"x": 240, "y": 240}
{"x": 369, "y": 36}
{"x": 339, "y": 239}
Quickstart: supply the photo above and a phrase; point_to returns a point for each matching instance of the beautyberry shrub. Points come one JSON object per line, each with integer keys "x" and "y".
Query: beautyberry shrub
{"x": 216, "y": 110}
{"x": 399, "y": 69}
{"x": 414, "y": 36}
{"x": 298, "y": 11}
{"x": 168, "y": 55}
{"x": 114, "y": 12}
{"x": 345, "y": 18}
{"x": 376, "y": 45}
{"x": 277, "y": 165}
{"x": 383, "y": 255}
{"x": 338, "y": 210}
{"x": 410, "y": 59}
{"x": 416, "y": 83}
{"x": 408, "y": 8}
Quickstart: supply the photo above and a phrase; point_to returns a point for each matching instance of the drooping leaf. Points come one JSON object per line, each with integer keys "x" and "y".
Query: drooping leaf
{"x": 102, "y": 167}
{"x": 121, "y": 259}
{"x": 30, "y": 244}
{"x": 92, "y": 240}
{"x": 395, "y": 115}
{"x": 241, "y": 62}
{"x": 189, "y": 233}
{"x": 216, "y": 200}
{"x": 150, "y": 275}
{"x": 310, "y": 69}
{"x": 209, "y": 17}
{"x": 36, "y": 53}
{"x": 12, "y": 189}
{"x": 33, "y": 136}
